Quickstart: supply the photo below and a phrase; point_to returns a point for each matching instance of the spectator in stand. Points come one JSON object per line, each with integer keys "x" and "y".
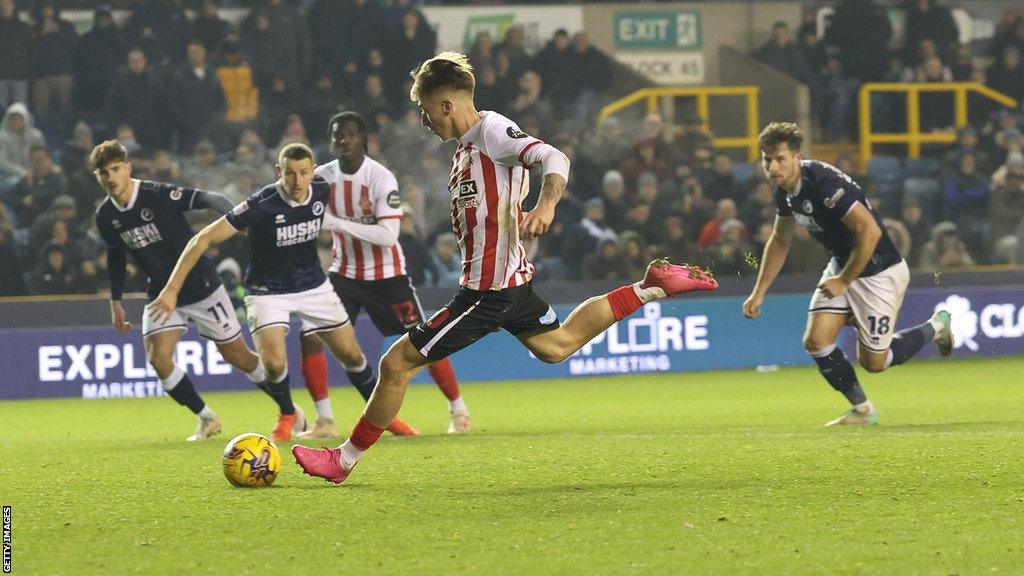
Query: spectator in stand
{"x": 783, "y": 54}
{"x": 966, "y": 195}
{"x": 635, "y": 255}
{"x": 758, "y": 207}
{"x": 813, "y": 50}
{"x": 638, "y": 219}
{"x": 929, "y": 21}
{"x": 961, "y": 64}
{"x": 322, "y": 100}
{"x": 53, "y": 53}
{"x": 513, "y": 46}
{"x": 1009, "y": 142}
{"x": 37, "y": 189}
{"x": 529, "y": 104}
{"x": 861, "y": 32}
{"x": 12, "y": 281}
{"x": 196, "y": 99}
{"x": 273, "y": 52}
{"x": 966, "y": 143}
{"x": 17, "y": 138}
{"x": 720, "y": 183}
{"x": 841, "y": 90}
{"x": 209, "y": 28}
{"x": 553, "y": 63}
{"x": 16, "y": 51}
{"x": 418, "y": 263}
{"x": 1006, "y": 75}
{"x": 689, "y": 135}
{"x": 373, "y": 100}
{"x": 242, "y": 186}
{"x": 138, "y": 98}
{"x": 725, "y": 209}
{"x": 592, "y": 72}
{"x": 1006, "y": 206}
{"x": 358, "y": 31}
{"x": 913, "y": 219}
{"x": 165, "y": 167}
{"x": 63, "y": 208}
{"x": 945, "y": 250}
{"x": 728, "y": 255}
{"x": 447, "y": 262}
{"x": 583, "y": 237}
{"x": 936, "y": 107}
{"x": 1009, "y": 33}
{"x": 54, "y": 274}
{"x": 613, "y": 197}
{"x": 481, "y": 52}
{"x": 100, "y": 53}
{"x": 646, "y": 157}
{"x": 204, "y": 171}
{"x": 412, "y": 42}
{"x": 162, "y": 30}
{"x": 675, "y": 244}
{"x": 606, "y": 263}
{"x": 277, "y": 102}
{"x": 899, "y": 235}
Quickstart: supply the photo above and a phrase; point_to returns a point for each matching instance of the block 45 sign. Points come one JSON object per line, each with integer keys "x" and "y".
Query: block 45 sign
{"x": 673, "y": 30}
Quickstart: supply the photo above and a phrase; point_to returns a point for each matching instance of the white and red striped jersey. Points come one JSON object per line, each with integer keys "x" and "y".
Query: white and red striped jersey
{"x": 489, "y": 181}
{"x": 366, "y": 197}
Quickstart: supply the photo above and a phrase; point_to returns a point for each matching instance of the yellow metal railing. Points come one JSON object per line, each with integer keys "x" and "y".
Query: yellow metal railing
{"x": 913, "y": 137}
{"x": 652, "y": 96}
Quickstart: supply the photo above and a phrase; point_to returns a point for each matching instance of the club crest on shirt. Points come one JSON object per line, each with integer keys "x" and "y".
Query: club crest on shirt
{"x": 830, "y": 202}
{"x": 808, "y": 207}
{"x": 318, "y": 208}
{"x": 176, "y": 194}
{"x": 115, "y": 223}
{"x": 146, "y": 214}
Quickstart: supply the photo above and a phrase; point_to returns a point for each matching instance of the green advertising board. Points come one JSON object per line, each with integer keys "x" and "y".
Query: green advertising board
{"x": 665, "y": 29}
{"x": 495, "y": 24}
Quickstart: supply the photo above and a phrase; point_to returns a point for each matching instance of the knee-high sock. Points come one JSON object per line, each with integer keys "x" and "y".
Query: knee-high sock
{"x": 178, "y": 386}
{"x": 907, "y": 343}
{"x": 281, "y": 392}
{"x": 362, "y": 378}
{"x": 444, "y": 375}
{"x": 364, "y": 435}
{"x": 627, "y": 299}
{"x": 314, "y": 374}
{"x": 838, "y": 371}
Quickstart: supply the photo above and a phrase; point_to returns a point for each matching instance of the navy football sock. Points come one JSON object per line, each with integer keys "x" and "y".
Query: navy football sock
{"x": 183, "y": 391}
{"x": 363, "y": 380}
{"x": 838, "y": 371}
{"x": 281, "y": 392}
{"x": 907, "y": 343}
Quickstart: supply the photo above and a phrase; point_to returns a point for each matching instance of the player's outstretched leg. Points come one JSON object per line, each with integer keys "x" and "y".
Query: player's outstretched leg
{"x": 397, "y": 367}
{"x": 662, "y": 279}
{"x": 907, "y": 343}
{"x": 159, "y": 353}
{"x": 820, "y": 342}
{"x": 444, "y": 376}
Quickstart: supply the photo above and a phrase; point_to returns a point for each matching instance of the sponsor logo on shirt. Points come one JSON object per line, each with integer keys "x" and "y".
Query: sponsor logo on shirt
{"x": 137, "y": 238}
{"x": 466, "y": 193}
{"x": 298, "y": 233}
{"x": 515, "y": 133}
{"x": 394, "y": 200}
{"x": 831, "y": 201}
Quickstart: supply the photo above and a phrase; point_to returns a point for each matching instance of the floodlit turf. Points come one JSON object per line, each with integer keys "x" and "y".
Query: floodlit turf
{"x": 708, "y": 473}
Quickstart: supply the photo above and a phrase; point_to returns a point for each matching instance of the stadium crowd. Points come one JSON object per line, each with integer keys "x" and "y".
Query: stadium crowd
{"x": 206, "y": 103}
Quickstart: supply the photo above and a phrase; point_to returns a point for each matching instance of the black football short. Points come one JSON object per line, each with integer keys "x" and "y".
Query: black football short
{"x": 390, "y": 303}
{"x": 471, "y": 315}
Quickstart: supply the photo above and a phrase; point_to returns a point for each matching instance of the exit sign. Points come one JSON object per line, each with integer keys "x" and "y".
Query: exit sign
{"x": 669, "y": 30}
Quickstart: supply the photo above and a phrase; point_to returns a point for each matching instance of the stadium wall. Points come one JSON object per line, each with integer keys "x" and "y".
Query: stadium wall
{"x": 688, "y": 334}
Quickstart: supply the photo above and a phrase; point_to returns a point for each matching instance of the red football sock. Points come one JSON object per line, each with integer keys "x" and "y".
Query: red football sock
{"x": 624, "y": 301}
{"x": 365, "y": 434}
{"x": 314, "y": 374}
{"x": 444, "y": 375}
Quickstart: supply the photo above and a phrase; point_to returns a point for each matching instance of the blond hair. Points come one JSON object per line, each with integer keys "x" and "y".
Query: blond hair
{"x": 447, "y": 70}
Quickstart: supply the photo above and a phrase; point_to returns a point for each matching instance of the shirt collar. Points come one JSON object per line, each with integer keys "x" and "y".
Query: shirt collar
{"x": 473, "y": 133}
{"x": 131, "y": 201}
{"x": 289, "y": 201}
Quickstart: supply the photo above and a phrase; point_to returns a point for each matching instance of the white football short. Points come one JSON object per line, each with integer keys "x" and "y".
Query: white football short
{"x": 873, "y": 301}
{"x": 319, "y": 309}
{"x": 214, "y": 316}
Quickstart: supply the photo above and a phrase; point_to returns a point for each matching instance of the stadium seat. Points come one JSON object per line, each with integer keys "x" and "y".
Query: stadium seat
{"x": 922, "y": 167}
{"x": 242, "y": 95}
{"x": 927, "y": 192}
{"x": 886, "y": 173}
{"x": 743, "y": 172}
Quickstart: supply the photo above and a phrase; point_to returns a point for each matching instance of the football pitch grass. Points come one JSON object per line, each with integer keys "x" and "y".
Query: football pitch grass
{"x": 701, "y": 473}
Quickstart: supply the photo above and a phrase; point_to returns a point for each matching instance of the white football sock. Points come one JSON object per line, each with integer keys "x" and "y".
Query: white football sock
{"x": 258, "y": 375}
{"x": 865, "y": 407}
{"x": 349, "y": 455}
{"x": 172, "y": 379}
{"x": 206, "y": 413}
{"x": 323, "y": 408}
{"x": 648, "y": 294}
{"x": 937, "y": 326}
{"x": 457, "y": 404}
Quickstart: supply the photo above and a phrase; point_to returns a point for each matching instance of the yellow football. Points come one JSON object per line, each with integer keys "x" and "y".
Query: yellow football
{"x": 251, "y": 461}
